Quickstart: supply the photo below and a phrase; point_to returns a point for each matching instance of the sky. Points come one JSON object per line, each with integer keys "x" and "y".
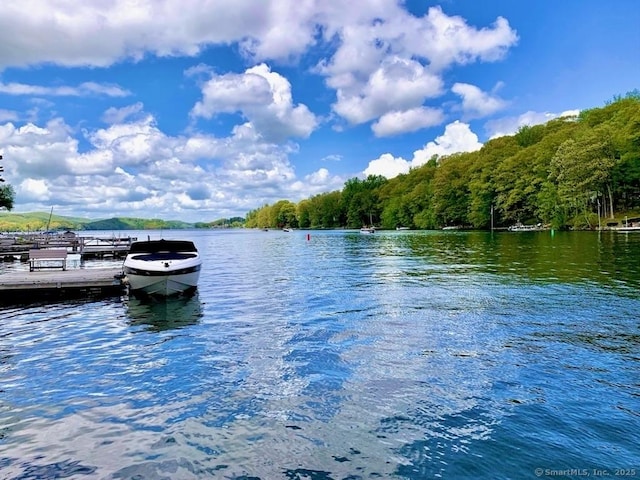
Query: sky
{"x": 198, "y": 110}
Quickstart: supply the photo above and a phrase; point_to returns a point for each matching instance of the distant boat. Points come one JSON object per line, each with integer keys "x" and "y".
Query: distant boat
{"x": 368, "y": 230}
{"x": 162, "y": 267}
{"x": 519, "y": 227}
{"x": 402, "y": 228}
{"x": 286, "y": 229}
{"x": 626, "y": 229}
{"x": 630, "y": 225}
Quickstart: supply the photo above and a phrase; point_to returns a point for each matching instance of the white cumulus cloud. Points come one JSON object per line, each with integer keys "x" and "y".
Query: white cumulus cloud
{"x": 396, "y": 123}
{"x": 388, "y": 166}
{"x": 509, "y": 125}
{"x": 475, "y": 102}
{"x": 394, "y": 63}
{"x": 263, "y": 97}
{"x": 83, "y": 90}
{"x": 457, "y": 138}
{"x": 33, "y": 190}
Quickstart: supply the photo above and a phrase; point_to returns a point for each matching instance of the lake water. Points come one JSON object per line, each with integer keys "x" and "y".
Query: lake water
{"x": 404, "y": 355}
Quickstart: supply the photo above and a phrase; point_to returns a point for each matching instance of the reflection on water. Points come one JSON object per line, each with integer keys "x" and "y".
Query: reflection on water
{"x": 403, "y": 355}
{"x": 158, "y": 314}
{"x": 600, "y": 257}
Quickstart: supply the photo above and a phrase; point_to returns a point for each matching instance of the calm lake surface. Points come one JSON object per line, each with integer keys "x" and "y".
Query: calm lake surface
{"x": 404, "y": 355}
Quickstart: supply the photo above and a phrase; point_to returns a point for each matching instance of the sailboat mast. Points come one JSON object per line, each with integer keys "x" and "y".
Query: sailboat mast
{"x": 49, "y": 222}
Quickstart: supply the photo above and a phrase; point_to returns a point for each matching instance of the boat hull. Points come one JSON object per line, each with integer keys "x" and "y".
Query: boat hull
{"x": 162, "y": 268}
{"x": 162, "y": 285}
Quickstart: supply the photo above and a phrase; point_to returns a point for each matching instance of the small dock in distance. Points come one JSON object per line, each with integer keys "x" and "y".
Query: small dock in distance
{"x": 28, "y": 287}
{"x": 17, "y": 246}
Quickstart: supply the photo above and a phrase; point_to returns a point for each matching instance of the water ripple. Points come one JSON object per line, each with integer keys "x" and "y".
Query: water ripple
{"x": 400, "y": 355}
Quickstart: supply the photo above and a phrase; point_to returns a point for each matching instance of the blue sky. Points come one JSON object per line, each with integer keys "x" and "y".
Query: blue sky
{"x": 197, "y": 110}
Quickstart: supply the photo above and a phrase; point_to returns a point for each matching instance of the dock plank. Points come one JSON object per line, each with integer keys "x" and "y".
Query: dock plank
{"x": 71, "y": 283}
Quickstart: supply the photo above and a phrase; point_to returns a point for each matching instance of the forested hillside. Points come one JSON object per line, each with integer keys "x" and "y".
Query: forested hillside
{"x": 567, "y": 173}
{"x": 41, "y": 221}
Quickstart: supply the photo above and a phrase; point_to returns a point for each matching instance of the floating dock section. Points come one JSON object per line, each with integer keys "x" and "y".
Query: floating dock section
{"x": 21, "y": 287}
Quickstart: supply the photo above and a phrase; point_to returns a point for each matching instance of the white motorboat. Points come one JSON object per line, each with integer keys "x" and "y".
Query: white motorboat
{"x": 519, "y": 227}
{"x": 162, "y": 267}
{"x": 368, "y": 229}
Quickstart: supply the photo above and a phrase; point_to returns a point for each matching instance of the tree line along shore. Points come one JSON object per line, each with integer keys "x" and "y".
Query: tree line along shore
{"x": 569, "y": 173}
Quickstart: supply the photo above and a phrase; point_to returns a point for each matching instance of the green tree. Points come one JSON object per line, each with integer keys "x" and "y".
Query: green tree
{"x": 325, "y": 210}
{"x": 482, "y": 184}
{"x": 361, "y": 201}
{"x": 451, "y": 190}
{"x": 7, "y": 196}
{"x": 331, "y": 213}
{"x": 549, "y": 207}
{"x": 303, "y": 213}
{"x": 263, "y": 217}
{"x": 283, "y": 214}
{"x": 419, "y": 200}
{"x": 528, "y": 135}
{"x": 625, "y": 128}
{"x": 583, "y": 169}
{"x": 7, "y": 193}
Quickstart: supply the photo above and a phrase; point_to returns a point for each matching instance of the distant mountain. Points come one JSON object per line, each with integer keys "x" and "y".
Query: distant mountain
{"x": 120, "y": 223}
{"x": 41, "y": 221}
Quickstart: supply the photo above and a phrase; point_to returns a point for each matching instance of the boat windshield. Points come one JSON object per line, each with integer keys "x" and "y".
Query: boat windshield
{"x": 157, "y": 246}
{"x": 161, "y": 256}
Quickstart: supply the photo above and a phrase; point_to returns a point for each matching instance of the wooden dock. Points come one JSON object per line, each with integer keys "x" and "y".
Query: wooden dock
{"x": 25, "y": 286}
{"x": 17, "y": 246}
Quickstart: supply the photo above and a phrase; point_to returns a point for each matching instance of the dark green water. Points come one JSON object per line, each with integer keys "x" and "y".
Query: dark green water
{"x": 404, "y": 355}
